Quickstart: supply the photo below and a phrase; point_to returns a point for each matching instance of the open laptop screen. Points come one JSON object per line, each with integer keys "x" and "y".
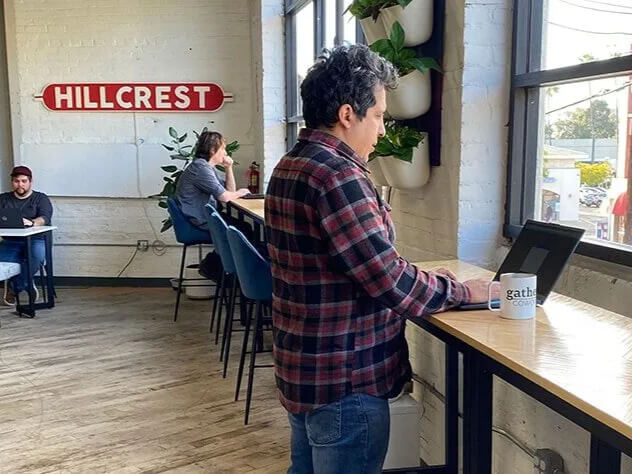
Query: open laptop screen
{"x": 543, "y": 249}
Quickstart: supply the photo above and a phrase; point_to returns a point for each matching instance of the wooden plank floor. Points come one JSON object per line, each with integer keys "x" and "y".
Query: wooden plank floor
{"x": 106, "y": 382}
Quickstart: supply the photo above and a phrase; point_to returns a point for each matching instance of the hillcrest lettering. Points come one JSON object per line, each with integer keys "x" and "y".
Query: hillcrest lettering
{"x": 183, "y": 97}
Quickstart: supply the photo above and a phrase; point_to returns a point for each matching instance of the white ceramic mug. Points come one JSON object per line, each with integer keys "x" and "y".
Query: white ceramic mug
{"x": 518, "y": 295}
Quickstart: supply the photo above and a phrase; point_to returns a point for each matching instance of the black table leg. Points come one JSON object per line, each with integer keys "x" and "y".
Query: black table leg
{"x": 604, "y": 459}
{"x": 30, "y": 312}
{"x": 451, "y": 410}
{"x": 477, "y": 415}
{"x": 50, "y": 278}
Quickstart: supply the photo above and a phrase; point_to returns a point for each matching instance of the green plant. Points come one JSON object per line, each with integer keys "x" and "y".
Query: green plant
{"x": 184, "y": 153}
{"x": 399, "y": 142}
{"x": 405, "y": 60}
{"x": 594, "y": 174}
{"x": 362, "y": 9}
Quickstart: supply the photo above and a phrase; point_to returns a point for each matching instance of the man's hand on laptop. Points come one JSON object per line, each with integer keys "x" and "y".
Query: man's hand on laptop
{"x": 27, "y": 222}
{"x": 478, "y": 290}
{"x": 446, "y": 272}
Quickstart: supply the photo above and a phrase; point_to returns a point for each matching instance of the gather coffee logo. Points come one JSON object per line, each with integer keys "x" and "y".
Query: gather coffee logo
{"x": 131, "y": 97}
{"x": 521, "y": 297}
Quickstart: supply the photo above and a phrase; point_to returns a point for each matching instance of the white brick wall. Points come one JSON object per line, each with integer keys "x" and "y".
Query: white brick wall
{"x": 119, "y": 154}
{"x": 273, "y": 87}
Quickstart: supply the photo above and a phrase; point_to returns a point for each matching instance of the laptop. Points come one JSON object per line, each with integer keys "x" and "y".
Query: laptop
{"x": 11, "y": 218}
{"x": 542, "y": 249}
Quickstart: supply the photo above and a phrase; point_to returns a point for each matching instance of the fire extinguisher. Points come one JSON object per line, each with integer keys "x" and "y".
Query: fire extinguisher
{"x": 253, "y": 178}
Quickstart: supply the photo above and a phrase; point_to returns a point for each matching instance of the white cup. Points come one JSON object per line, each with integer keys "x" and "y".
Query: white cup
{"x": 518, "y": 295}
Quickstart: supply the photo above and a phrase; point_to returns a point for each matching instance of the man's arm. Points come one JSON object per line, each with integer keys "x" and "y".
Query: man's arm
{"x": 359, "y": 245}
{"x": 44, "y": 212}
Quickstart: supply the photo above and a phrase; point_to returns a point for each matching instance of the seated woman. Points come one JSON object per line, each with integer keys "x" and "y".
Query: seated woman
{"x": 200, "y": 182}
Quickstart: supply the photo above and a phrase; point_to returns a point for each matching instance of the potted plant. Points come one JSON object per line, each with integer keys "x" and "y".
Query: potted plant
{"x": 183, "y": 154}
{"x": 415, "y": 17}
{"x": 367, "y": 12}
{"x": 412, "y": 96}
{"x": 403, "y": 156}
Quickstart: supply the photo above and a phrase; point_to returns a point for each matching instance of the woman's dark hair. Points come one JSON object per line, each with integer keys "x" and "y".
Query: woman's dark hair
{"x": 344, "y": 75}
{"x": 208, "y": 144}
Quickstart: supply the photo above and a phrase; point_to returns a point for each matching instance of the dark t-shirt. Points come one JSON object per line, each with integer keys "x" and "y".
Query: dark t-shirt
{"x": 36, "y": 205}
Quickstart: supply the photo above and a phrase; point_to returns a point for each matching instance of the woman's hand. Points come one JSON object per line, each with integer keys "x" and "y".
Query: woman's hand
{"x": 228, "y": 161}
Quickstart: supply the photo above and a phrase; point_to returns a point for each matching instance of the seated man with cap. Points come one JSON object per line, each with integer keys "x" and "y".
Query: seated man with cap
{"x": 36, "y": 210}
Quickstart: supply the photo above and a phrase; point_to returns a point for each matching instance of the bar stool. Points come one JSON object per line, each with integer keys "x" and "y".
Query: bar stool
{"x": 255, "y": 278}
{"x": 218, "y": 228}
{"x": 186, "y": 234}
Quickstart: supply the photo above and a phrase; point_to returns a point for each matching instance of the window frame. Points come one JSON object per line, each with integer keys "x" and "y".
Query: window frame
{"x": 526, "y": 82}
{"x": 291, "y": 9}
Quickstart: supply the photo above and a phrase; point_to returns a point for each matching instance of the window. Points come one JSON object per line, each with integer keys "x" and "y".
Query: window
{"x": 570, "y": 152}
{"x": 311, "y": 25}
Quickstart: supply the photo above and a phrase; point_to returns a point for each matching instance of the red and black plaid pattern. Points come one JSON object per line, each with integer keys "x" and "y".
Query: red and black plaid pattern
{"x": 341, "y": 290}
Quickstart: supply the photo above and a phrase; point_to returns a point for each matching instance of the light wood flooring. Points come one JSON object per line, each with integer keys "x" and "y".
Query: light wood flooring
{"x": 106, "y": 382}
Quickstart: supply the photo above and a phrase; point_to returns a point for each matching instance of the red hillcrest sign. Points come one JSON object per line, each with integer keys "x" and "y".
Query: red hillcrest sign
{"x": 134, "y": 97}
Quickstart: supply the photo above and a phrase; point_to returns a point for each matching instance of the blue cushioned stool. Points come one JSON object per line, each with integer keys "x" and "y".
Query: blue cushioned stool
{"x": 255, "y": 279}
{"x": 218, "y": 229}
{"x": 186, "y": 234}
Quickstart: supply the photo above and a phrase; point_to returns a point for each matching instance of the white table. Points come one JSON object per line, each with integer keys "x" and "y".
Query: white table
{"x": 27, "y": 234}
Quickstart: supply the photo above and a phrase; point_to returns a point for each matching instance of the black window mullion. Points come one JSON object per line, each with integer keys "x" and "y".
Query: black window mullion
{"x": 575, "y": 73}
{"x": 535, "y": 18}
{"x": 319, "y": 26}
{"x": 517, "y": 108}
{"x": 290, "y": 48}
{"x": 531, "y": 150}
{"x": 340, "y": 26}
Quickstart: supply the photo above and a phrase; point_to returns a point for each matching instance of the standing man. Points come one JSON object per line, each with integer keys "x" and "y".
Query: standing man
{"x": 36, "y": 210}
{"x": 341, "y": 290}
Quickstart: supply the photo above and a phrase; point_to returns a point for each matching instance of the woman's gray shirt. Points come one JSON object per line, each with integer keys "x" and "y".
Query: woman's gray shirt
{"x": 199, "y": 184}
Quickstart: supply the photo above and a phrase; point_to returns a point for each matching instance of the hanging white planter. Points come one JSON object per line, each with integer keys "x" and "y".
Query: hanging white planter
{"x": 416, "y": 20}
{"x": 377, "y": 176}
{"x": 373, "y": 29}
{"x": 412, "y": 97}
{"x": 404, "y": 175}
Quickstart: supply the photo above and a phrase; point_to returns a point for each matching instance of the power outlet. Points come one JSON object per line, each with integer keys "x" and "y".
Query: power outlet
{"x": 547, "y": 461}
{"x": 142, "y": 245}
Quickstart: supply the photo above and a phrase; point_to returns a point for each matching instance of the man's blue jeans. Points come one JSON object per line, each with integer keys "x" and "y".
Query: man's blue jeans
{"x": 15, "y": 251}
{"x": 347, "y": 437}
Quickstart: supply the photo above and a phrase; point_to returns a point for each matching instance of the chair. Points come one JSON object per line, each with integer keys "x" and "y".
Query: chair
{"x": 186, "y": 234}
{"x": 7, "y": 271}
{"x": 255, "y": 278}
{"x": 218, "y": 229}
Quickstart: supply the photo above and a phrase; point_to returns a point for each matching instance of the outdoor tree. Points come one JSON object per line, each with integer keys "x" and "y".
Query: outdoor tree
{"x": 594, "y": 174}
{"x": 596, "y": 121}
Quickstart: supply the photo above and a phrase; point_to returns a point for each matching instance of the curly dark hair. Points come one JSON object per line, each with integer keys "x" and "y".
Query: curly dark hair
{"x": 208, "y": 144}
{"x": 347, "y": 74}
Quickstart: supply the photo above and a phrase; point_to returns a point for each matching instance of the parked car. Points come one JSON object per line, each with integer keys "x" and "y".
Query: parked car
{"x": 590, "y": 200}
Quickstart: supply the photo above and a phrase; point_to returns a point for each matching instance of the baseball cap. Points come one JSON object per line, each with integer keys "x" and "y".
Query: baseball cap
{"x": 21, "y": 170}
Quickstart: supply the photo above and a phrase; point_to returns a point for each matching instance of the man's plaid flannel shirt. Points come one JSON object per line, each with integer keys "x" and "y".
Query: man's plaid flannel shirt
{"x": 341, "y": 291}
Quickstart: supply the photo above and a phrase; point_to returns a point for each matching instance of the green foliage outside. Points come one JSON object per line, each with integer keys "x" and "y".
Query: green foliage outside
{"x": 594, "y": 174}
{"x": 596, "y": 121}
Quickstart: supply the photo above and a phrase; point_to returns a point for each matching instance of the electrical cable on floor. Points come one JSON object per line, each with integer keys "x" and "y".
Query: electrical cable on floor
{"x": 128, "y": 263}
